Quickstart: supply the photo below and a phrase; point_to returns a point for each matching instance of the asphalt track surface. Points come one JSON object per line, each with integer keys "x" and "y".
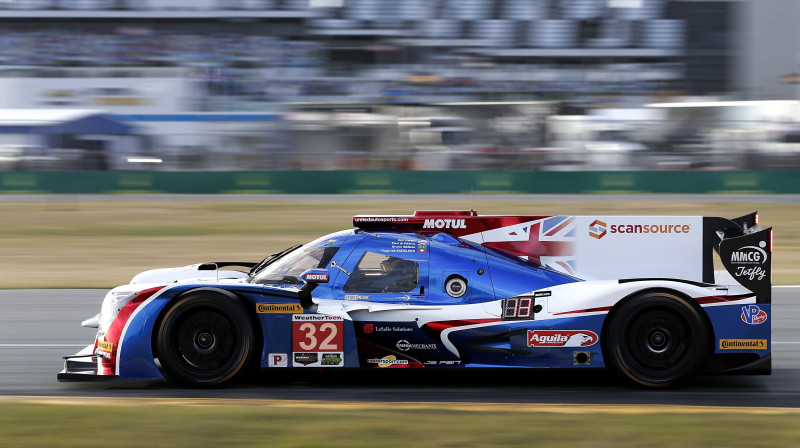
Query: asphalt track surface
{"x": 37, "y": 327}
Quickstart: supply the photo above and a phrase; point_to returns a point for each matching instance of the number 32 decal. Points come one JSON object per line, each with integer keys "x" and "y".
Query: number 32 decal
{"x": 317, "y": 335}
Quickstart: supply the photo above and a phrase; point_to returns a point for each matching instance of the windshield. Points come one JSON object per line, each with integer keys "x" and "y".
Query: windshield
{"x": 287, "y": 270}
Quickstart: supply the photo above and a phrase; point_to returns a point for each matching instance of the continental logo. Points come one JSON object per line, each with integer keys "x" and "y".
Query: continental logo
{"x": 599, "y": 229}
{"x": 742, "y": 344}
{"x": 107, "y": 347}
{"x": 265, "y": 308}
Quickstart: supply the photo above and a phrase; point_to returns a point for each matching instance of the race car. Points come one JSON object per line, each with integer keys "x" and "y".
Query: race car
{"x": 453, "y": 289}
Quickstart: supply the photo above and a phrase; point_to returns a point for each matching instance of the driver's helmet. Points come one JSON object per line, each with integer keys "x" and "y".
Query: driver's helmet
{"x": 389, "y": 264}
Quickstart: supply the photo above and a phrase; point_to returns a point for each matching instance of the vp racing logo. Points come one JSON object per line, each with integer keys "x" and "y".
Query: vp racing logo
{"x": 597, "y": 229}
{"x": 753, "y": 315}
{"x": 561, "y": 338}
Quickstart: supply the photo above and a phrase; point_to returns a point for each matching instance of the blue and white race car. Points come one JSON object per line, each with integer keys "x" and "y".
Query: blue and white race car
{"x": 452, "y": 289}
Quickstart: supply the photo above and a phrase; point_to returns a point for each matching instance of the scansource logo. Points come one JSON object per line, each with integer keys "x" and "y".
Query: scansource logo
{"x": 597, "y": 229}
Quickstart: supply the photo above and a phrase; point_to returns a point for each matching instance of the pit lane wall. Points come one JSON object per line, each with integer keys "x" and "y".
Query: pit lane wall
{"x": 399, "y": 182}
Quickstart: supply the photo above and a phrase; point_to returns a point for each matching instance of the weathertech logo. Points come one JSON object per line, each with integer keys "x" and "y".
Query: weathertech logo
{"x": 597, "y": 229}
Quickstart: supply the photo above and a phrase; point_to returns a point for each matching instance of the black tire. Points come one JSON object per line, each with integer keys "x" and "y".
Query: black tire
{"x": 656, "y": 340}
{"x": 205, "y": 339}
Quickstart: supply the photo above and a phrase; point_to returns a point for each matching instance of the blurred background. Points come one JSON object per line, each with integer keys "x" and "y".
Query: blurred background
{"x": 546, "y": 85}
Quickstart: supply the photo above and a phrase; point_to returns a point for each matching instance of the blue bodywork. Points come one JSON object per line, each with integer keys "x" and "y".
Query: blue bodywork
{"x": 488, "y": 276}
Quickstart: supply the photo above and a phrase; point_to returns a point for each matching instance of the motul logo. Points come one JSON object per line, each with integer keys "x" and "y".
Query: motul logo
{"x": 561, "y": 338}
{"x": 317, "y": 277}
{"x": 444, "y": 224}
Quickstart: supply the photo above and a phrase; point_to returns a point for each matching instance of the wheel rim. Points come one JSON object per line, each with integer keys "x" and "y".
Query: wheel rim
{"x": 205, "y": 342}
{"x": 658, "y": 341}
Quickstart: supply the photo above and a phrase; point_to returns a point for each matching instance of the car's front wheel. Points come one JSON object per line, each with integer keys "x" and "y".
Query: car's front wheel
{"x": 656, "y": 339}
{"x": 205, "y": 339}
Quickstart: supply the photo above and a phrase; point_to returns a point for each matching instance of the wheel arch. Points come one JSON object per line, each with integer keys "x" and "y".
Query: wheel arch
{"x": 211, "y": 292}
{"x": 678, "y": 294}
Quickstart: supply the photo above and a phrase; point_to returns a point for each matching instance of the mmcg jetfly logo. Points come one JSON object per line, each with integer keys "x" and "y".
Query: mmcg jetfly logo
{"x": 753, "y": 315}
{"x": 750, "y": 254}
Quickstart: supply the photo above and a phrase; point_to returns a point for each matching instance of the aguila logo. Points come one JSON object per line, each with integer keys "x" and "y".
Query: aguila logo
{"x": 597, "y": 229}
{"x": 561, "y": 338}
{"x": 753, "y": 315}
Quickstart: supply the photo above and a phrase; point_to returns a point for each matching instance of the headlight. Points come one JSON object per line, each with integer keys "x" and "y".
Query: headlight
{"x": 112, "y": 304}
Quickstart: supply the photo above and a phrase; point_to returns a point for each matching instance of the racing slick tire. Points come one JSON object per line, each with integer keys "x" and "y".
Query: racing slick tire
{"x": 205, "y": 339}
{"x": 656, "y": 339}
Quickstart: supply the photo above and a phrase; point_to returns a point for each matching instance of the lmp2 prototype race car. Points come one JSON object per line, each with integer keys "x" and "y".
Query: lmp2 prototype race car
{"x": 452, "y": 289}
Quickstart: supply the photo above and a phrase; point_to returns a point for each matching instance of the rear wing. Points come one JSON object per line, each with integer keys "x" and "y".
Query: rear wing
{"x": 610, "y": 247}
{"x": 745, "y": 250}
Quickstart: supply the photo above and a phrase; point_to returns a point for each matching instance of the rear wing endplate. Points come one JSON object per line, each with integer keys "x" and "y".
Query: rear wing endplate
{"x": 745, "y": 250}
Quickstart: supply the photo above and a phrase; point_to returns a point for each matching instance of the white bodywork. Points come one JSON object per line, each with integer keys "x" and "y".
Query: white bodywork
{"x": 190, "y": 272}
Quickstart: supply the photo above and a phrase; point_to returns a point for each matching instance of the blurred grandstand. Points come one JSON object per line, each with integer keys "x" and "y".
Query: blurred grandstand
{"x": 414, "y": 84}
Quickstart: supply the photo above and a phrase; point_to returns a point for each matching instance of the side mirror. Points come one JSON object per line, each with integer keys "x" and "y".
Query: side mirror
{"x": 313, "y": 278}
{"x": 316, "y": 276}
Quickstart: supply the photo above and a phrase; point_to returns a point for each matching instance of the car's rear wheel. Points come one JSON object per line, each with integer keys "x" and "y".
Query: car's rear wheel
{"x": 205, "y": 339}
{"x": 656, "y": 340}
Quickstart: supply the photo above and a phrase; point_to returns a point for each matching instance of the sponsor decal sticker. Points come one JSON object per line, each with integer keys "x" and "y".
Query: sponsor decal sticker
{"x": 393, "y": 328}
{"x": 369, "y": 328}
{"x": 358, "y": 297}
{"x": 753, "y": 315}
{"x": 742, "y": 344}
{"x": 597, "y": 229}
{"x": 316, "y": 335}
{"x": 405, "y": 346}
{"x": 306, "y": 358}
{"x": 444, "y": 224}
{"x": 561, "y": 338}
{"x": 422, "y": 246}
{"x": 331, "y": 359}
{"x": 380, "y": 219}
{"x": 748, "y": 261}
{"x": 387, "y": 361}
{"x": 317, "y": 277}
{"x": 104, "y": 348}
{"x": 274, "y": 308}
{"x": 315, "y": 318}
{"x": 278, "y": 360}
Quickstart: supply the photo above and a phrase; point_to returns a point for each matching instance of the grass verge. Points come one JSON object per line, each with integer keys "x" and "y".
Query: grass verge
{"x": 95, "y": 422}
{"x": 83, "y": 244}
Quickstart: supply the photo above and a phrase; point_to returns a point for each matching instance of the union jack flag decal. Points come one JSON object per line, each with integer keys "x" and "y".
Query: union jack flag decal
{"x": 548, "y": 241}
